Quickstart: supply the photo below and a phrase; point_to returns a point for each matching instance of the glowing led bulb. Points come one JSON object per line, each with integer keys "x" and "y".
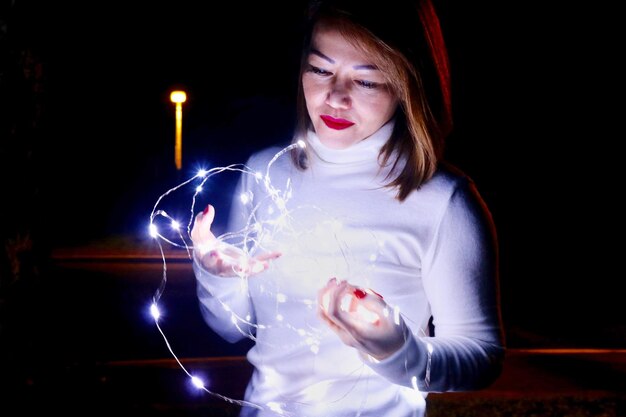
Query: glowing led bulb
{"x": 197, "y": 382}
{"x": 154, "y": 311}
{"x": 175, "y": 225}
{"x": 152, "y": 229}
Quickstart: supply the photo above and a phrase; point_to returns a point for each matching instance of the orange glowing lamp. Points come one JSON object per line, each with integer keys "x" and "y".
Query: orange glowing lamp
{"x": 178, "y": 98}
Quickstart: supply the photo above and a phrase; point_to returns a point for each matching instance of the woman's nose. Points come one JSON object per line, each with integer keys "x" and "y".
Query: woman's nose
{"x": 339, "y": 96}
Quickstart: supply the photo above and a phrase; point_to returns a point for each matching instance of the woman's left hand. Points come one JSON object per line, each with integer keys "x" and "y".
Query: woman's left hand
{"x": 361, "y": 318}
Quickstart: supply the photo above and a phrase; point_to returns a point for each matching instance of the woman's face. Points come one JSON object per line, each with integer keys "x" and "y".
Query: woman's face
{"x": 346, "y": 96}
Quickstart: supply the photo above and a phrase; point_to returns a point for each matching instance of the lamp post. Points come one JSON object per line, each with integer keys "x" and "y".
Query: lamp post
{"x": 178, "y": 98}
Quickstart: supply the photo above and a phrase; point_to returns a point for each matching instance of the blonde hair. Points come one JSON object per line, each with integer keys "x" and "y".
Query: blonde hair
{"x": 405, "y": 42}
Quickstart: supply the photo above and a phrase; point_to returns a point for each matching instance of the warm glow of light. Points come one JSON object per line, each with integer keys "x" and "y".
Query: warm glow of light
{"x": 178, "y": 97}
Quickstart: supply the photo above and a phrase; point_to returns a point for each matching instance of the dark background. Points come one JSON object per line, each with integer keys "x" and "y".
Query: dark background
{"x": 88, "y": 132}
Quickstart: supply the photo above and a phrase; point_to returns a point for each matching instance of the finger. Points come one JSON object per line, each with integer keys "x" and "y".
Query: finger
{"x": 268, "y": 256}
{"x": 255, "y": 266}
{"x": 323, "y": 300}
{"x": 208, "y": 214}
{"x": 371, "y": 302}
{"x": 225, "y": 269}
{"x": 201, "y": 233}
{"x": 323, "y": 294}
{"x": 327, "y": 303}
{"x": 332, "y": 324}
{"x": 368, "y": 298}
{"x": 338, "y": 300}
{"x": 358, "y": 309}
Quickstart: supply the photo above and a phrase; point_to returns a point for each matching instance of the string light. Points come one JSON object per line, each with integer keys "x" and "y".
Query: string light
{"x": 182, "y": 240}
{"x": 236, "y": 247}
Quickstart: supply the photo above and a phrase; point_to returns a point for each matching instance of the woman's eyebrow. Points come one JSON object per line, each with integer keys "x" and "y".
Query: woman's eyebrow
{"x": 321, "y": 55}
{"x": 332, "y": 61}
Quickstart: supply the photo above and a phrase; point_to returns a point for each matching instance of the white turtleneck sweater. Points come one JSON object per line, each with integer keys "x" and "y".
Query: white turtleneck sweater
{"x": 433, "y": 254}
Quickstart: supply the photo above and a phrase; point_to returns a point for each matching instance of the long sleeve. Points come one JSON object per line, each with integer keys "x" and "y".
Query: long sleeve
{"x": 460, "y": 275}
{"x": 225, "y": 304}
{"x": 433, "y": 254}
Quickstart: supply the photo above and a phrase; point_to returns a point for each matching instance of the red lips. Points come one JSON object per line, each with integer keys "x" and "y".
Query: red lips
{"x": 337, "y": 124}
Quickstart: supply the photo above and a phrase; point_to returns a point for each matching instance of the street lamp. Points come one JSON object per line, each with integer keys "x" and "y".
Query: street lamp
{"x": 178, "y": 97}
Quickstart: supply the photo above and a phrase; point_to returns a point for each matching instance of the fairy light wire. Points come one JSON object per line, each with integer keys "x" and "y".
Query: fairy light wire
{"x": 203, "y": 176}
{"x": 249, "y": 240}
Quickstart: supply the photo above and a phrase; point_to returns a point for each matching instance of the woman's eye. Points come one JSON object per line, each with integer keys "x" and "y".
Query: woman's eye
{"x": 367, "y": 84}
{"x": 317, "y": 70}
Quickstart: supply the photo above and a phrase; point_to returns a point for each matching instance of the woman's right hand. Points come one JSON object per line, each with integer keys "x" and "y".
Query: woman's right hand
{"x": 220, "y": 258}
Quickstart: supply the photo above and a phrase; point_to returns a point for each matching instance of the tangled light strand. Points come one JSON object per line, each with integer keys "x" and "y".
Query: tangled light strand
{"x": 251, "y": 237}
{"x": 203, "y": 176}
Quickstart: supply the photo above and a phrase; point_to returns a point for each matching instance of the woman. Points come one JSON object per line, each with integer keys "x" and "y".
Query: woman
{"x": 362, "y": 237}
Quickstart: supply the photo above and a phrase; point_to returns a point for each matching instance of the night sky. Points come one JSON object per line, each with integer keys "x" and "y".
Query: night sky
{"x": 536, "y": 125}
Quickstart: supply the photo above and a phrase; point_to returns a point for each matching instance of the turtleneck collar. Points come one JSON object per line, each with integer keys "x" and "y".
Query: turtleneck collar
{"x": 366, "y": 150}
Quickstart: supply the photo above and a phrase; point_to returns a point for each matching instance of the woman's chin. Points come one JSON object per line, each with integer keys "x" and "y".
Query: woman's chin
{"x": 334, "y": 141}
